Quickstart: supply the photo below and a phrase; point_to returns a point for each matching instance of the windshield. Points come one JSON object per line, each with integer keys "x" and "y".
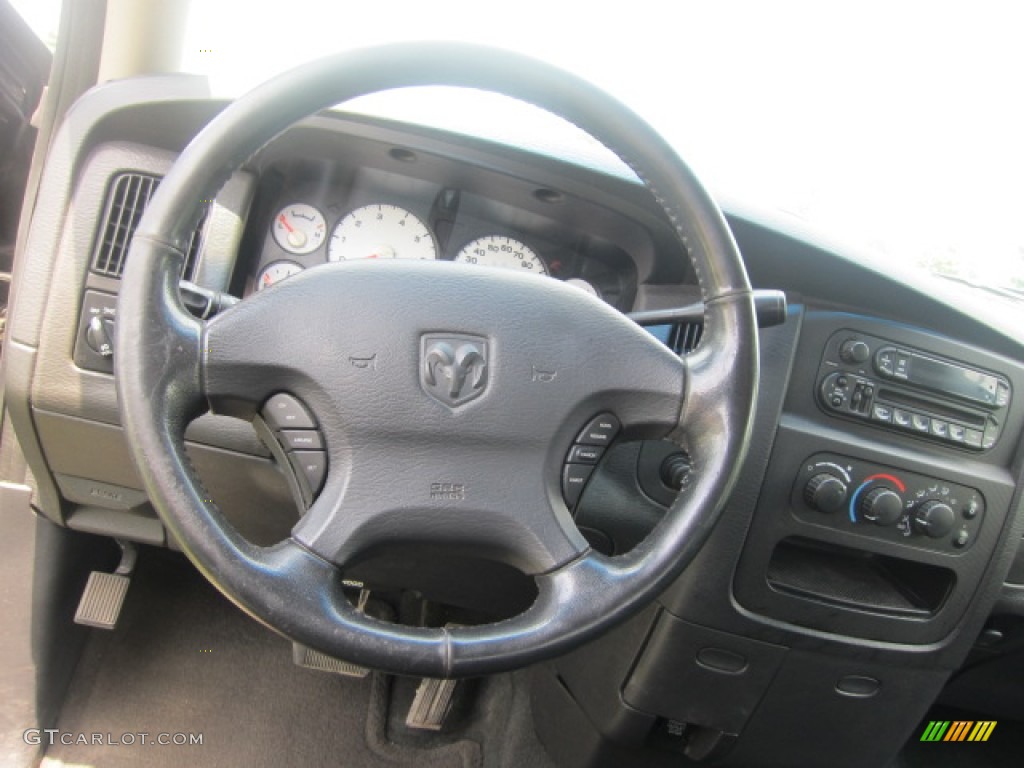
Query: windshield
{"x": 894, "y": 128}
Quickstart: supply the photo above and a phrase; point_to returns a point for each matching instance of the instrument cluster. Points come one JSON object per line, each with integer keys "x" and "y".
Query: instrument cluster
{"x": 315, "y": 222}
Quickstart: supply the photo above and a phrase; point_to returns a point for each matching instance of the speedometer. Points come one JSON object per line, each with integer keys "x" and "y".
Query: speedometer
{"x": 505, "y": 252}
{"x": 381, "y": 232}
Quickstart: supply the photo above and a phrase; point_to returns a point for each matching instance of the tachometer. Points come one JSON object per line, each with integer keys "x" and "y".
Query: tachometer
{"x": 501, "y": 251}
{"x": 381, "y": 232}
{"x": 299, "y": 228}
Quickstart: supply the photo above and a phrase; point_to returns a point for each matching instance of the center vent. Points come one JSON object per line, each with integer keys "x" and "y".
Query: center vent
{"x": 128, "y": 194}
{"x": 685, "y": 337}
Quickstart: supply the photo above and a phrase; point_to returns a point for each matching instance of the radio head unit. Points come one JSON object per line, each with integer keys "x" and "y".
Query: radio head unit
{"x": 904, "y": 389}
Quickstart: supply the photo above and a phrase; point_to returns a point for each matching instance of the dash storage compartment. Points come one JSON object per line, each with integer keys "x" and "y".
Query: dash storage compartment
{"x": 858, "y": 580}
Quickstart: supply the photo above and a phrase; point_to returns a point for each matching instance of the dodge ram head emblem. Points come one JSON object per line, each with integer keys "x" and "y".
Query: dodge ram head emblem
{"x": 453, "y": 368}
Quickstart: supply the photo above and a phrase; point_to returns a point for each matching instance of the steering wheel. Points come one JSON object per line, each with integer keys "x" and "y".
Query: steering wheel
{"x": 450, "y": 436}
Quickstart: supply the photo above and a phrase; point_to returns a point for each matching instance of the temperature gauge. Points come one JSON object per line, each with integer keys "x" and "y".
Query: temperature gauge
{"x": 275, "y": 272}
{"x": 299, "y": 228}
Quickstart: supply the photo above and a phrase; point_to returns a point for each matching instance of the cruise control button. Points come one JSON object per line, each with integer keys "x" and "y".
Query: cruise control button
{"x": 600, "y": 431}
{"x": 302, "y": 440}
{"x": 920, "y": 423}
{"x": 574, "y": 479}
{"x": 585, "y": 454}
{"x": 283, "y": 411}
{"x": 310, "y": 466}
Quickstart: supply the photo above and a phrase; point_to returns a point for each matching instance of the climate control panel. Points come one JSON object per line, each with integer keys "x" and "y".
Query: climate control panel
{"x": 882, "y": 502}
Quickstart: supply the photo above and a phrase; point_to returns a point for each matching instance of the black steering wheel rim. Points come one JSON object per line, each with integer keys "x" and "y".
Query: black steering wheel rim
{"x": 168, "y": 365}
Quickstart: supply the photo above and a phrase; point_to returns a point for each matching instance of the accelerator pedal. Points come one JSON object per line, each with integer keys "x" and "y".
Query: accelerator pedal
{"x": 432, "y": 702}
{"x": 104, "y": 593}
{"x": 307, "y": 657}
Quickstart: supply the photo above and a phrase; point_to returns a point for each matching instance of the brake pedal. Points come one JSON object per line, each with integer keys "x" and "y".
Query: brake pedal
{"x": 310, "y": 658}
{"x": 307, "y": 657}
{"x": 104, "y": 593}
{"x": 431, "y": 704}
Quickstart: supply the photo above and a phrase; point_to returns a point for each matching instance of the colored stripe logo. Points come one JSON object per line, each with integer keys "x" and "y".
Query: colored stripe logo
{"x": 958, "y": 730}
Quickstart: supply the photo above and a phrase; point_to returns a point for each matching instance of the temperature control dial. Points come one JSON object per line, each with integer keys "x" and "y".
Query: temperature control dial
{"x": 934, "y": 518}
{"x": 882, "y": 506}
{"x": 825, "y": 492}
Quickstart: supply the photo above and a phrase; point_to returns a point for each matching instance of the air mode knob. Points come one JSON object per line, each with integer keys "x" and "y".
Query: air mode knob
{"x": 934, "y": 518}
{"x": 881, "y": 506}
{"x": 825, "y": 492}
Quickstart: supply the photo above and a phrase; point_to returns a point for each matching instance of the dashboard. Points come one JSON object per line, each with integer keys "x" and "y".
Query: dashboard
{"x": 878, "y": 518}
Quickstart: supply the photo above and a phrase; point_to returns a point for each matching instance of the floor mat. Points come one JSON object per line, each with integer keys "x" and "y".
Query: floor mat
{"x": 185, "y": 664}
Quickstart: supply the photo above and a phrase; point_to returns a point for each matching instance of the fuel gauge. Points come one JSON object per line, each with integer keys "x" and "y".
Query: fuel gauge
{"x": 275, "y": 272}
{"x": 299, "y": 228}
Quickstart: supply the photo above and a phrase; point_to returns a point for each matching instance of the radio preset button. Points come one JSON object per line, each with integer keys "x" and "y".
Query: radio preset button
{"x": 881, "y": 413}
{"x": 972, "y": 438}
{"x": 901, "y": 418}
{"x": 920, "y": 422}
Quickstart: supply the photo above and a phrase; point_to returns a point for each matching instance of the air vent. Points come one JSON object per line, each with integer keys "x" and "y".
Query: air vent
{"x": 127, "y": 197}
{"x": 685, "y": 337}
